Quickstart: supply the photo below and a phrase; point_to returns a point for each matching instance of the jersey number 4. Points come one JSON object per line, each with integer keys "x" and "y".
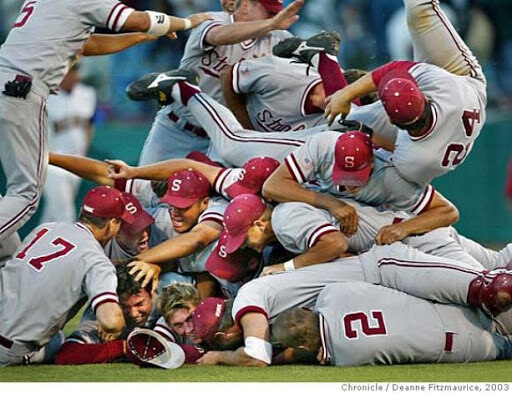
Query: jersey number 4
{"x": 361, "y": 319}
{"x": 25, "y": 14}
{"x": 456, "y": 152}
{"x": 62, "y": 247}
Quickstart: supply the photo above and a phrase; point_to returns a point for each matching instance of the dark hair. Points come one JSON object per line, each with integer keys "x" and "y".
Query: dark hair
{"x": 233, "y": 336}
{"x": 98, "y": 222}
{"x": 159, "y": 187}
{"x": 126, "y": 283}
{"x": 353, "y": 74}
{"x": 296, "y": 328}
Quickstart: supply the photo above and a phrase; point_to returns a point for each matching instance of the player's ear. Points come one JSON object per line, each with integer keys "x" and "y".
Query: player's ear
{"x": 205, "y": 202}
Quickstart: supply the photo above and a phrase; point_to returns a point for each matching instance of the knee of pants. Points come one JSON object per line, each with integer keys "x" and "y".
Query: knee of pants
{"x": 415, "y": 10}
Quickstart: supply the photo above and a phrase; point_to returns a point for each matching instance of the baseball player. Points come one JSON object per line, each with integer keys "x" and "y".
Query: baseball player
{"x": 436, "y": 103}
{"x": 397, "y": 266}
{"x": 251, "y": 31}
{"x": 44, "y": 41}
{"x": 347, "y": 167}
{"x": 367, "y": 328}
{"x": 70, "y": 124}
{"x": 87, "y": 345}
{"x": 64, "y": 262}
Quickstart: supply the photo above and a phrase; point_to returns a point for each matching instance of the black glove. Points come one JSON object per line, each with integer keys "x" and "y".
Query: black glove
{"x": 19, "y": 87}
{"x": 354, "y": 125}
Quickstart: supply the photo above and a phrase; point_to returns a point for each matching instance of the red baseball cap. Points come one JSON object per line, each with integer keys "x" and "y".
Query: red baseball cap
{"x": 206, "y": 318}
{"x": 185, "y": 188}
{"x": 142, "y": 219}
{"x": 255, "y": 172}
{"x": 402, "y": 99}
{"x": 107, "y": 202}
{"x": 353, "y": 156}
{"x": 239, "y": 216}
{"x": 231, "y": 267}
{"x": 199, "y": 156}
{"x": 272, "y": 6}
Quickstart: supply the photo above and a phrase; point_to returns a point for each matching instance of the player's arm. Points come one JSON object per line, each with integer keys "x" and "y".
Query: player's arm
{"x": 103, "y": 44}
{"x": 340, "y": 101}
{"x": 235, "y": 102}
{"x": 76, "y": 353}
{"x": 282, "y": 186}
{"x": 159, "y": 24}
{"x": 86, "y": 168}
{"x": 257, "y": 351}
{"x": 110, "y": 318}
{"x": 235, "y": 33}
{"x": 118, "y": 169}
{"x": 439, "y": 213}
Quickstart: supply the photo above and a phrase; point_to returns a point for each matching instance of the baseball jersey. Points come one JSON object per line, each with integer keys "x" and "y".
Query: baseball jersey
{"x": 49, "y": 34}
{"x": 378, "y": 325}
{"x": 458, "y": 110}
{"x": 54, "y": 271}
{"x": 386, "y": 187}
{"x": 208, "y": 61}
{"x": 299, "y": 226}
{"x": 141, "y": 189}
{"x": 69, "y": 115}
{"x": 276, "y": 92}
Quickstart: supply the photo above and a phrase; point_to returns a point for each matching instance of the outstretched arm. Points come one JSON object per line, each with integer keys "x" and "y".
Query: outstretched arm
{"x": 86, "y": 168}
{"x": 104, "y": 44}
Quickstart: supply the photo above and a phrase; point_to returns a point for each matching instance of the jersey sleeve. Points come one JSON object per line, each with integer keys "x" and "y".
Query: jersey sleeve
{"x": 406, "y": 196}
{"x": 248, "y": 75}
{"x": 199, "y": 34}
{"x": 304, "y": 161}
{"x": 214, "y": 212}
{"x": 106, "y": 13}
{"x": 100, "y": 282}
{"x": 299, "y": 226}
{"x": 252, "y": 298}
{"x": 226, "y": 178}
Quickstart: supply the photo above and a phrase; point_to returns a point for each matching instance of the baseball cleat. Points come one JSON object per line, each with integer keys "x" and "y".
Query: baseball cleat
{"x": 158, "y": 85}
{"x": 304, "y": 50}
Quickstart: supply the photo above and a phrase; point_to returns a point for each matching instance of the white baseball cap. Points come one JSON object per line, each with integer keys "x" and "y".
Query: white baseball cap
{"x": 150, "y": 348}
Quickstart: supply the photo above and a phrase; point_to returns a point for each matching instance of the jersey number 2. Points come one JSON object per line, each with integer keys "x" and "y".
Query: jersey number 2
{"x": 37, "y": 262}
{"x": 378, "y": 328}
{"x": 469, "y": 119}
{"x": 25, "y": 14}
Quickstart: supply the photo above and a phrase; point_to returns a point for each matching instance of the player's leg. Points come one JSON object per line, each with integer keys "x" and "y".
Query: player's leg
{"x": 46, "y": 354}
{"x": 436, "y": 41}
{"x": 167, "y": 140}
{"x": 24, "y": 157}
{"x": 439, "y": 279}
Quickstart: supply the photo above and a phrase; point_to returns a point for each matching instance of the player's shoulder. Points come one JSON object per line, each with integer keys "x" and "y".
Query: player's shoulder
{"x": 284, "y": 211}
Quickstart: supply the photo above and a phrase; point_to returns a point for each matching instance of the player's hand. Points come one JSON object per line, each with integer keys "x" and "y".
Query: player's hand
{"x": 197, "y": 19}
{"x": 347, "y": 215}
{"x": 145, "y": 273}
{"x": 209, "y": 359}
{"x": 390, "y": 234}
{"x": 287, "y": 17}
{"x": 338, "y": 103}
{"x": 172, "y": 36}
{"x": 106, "y": 336}
{"x": 118, "y": 169}
{"x": 273, "y": 269}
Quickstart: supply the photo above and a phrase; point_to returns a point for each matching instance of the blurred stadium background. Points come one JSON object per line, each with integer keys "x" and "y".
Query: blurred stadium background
{"x": 373, "y": 32}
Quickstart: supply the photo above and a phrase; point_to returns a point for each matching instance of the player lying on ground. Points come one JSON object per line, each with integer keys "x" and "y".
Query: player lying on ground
{"x": 397, "y": 266}
{"x": 66, "y": 263}
{"x": 45, "y": 40}
{"x": 90, "y": 344}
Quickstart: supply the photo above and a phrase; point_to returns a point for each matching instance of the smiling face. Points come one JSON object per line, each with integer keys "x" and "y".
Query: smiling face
{"x": 134, "y": 243}
{"x": 184, "y": 219}
{"x": 136, "y": 307}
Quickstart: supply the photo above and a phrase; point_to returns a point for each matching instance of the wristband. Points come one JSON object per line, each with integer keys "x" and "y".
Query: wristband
{"x": 258, "y": 348}
{"x": 159, "y": 23}
{"x": 289, "y": 266}
{"x": 188, "y": 24}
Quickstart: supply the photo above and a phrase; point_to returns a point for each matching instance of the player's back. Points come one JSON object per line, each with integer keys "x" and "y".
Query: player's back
{"x": 378, "y": 325}
{"x": 48, "y": 279}
{"x": 48, "y": 35}
{"x": 458, "y": 109}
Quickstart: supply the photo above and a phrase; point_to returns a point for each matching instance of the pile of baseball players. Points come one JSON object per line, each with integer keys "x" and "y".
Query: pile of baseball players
{"x": 282, "y": 211}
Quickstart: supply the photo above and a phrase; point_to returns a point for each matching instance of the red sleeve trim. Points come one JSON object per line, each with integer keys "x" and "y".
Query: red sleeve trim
{"x": 115, "y": 28}
{"x": 379, "y": 73}
{"x": 120, "y": 184}
{"x": 294, "y": 169}
{"x": 112, "y": 13}
{"x": 203, "y": 44}
{"x": 103, "y": 302}
{"x": 249, "y": 309}
{"x": 320, "y": 232}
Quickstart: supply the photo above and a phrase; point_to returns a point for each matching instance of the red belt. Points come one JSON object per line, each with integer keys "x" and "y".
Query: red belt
{"x": 4, "y": 342}
{"x": 189, "y": 127}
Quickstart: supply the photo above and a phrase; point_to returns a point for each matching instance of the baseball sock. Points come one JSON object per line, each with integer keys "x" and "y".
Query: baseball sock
{"x": 331, "y": 73}
{"x": 183, "y": 91}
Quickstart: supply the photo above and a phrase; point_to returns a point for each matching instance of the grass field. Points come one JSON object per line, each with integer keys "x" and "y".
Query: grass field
{"x": 499, "y": 371}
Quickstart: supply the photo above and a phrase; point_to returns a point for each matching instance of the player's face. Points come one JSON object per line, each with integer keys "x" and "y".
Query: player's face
{"x": 136, "y": 308}
{"x": 180, "y": 322}
{"x": 256, "y": 11}
{"x": 228, "y": 5}
{"x": 184, "y": 219}
{"x": 257, "y": 238}
{"x": 134, "y": 243}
